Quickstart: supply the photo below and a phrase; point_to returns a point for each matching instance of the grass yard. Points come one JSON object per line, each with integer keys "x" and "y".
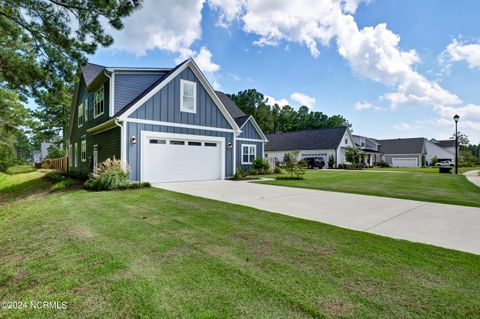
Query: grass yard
{"x": 433, "y": 170}
{"x": 397, "y": 183}
{"x": 156, "y": 254}
{"x": 20, "y": 169}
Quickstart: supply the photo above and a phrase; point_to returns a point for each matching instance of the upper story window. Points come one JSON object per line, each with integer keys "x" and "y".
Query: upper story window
{"x": 98, "y": 103}
{"x": 346, "y": 141}
{"x": 85, "y": 106}
{"x": 188, "y": 96}
{"x": 80, "y": 115}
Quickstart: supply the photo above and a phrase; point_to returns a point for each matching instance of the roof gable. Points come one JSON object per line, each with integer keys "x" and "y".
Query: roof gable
{"x": 90, "y": 72}
{"x": 403, "y": 146}
{"x": 231, "y": 107}
{"x": 326, "y": 138}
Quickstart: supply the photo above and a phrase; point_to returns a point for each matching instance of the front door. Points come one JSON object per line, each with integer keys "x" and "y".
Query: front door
{"x": 95, "y": 158}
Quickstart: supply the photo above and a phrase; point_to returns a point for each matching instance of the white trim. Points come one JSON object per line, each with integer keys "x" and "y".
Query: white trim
{"x": 249, "y": 139}
{"x": 125, "y": 70}
{"x": 249, "y": 145}
{"x": 257, "y": 127}
{"x": 196, "y": 127}
{"x": 95, "y": 158}
{"x": 182, "y": 108}
{"x": 123, "y": 146}
{"x": 111, "y": 99}
{"x": 95, "y": 103}
{"x": 172, "y": 76}
{"x": 75, "y": 158}
{"x": 234, "y": 146}
{"x": 83, "y": 142}
{"x": 82, "y": 114}
{"x": 146, "y": 134}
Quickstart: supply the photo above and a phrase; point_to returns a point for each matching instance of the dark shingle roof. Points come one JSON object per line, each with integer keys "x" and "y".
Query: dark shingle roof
{"x": 241, "y": 120}
{"x": 90, "y": 71}
{"x": 326, "y": 138}
{"x": 446, "y": 143}
{"x": 231, "y": 107}
{"x": 402, "y": 146}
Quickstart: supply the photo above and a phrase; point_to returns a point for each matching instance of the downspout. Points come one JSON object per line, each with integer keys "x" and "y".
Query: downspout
{"x": 122, "y": 142}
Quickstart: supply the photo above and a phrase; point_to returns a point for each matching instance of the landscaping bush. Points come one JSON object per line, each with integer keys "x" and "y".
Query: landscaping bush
{"x": 135, "y": 185}
{"x": 293, "y": 166}
{"x": 277, "y": 170}
{"x": 253, "y": 171}
{"x": 261, "y": 165}
{"x": 110, "y": 175}
{"x": 20, "y": 169}
{"x": 331, "y": 161}
{"x": 357, "y": 166}
{"x": 75, "y": 175}
{"x": 240, "y": 174}
{"x": 55, "y": 152}
{"x": 66, "y": 183}
{"x": 381, "y": 164}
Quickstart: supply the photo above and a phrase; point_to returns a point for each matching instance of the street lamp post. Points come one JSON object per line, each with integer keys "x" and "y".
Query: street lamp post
{"x": 455, "y": 118}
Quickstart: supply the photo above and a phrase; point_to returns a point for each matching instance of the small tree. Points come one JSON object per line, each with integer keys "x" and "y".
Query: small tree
{"x": 352, "y": 155}
{"x": 56, "y": 152}
{"x": 331, "y": 161}
{"x": 434, "y": 160}
{"x": 293, "y": 166}
{"x": 261, "y": 165}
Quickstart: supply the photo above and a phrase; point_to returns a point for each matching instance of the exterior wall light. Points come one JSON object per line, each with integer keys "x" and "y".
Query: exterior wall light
{"x": 230, "y": 145}
{"x": 133, "y": 140}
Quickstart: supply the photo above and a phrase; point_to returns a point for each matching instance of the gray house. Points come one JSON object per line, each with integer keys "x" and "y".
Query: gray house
{"x": 166, "y": 124}
{"x": 370, "y": 149}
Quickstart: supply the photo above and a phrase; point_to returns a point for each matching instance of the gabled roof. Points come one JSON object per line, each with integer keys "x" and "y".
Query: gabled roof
{"x": 232, "y": 108}
{"x": 325, "y": 138}
{"x": 90, "y": 71}
{"x": 445, "y": 143}
{"x": 241, "y": 120}
{"x": 402, "y": 146}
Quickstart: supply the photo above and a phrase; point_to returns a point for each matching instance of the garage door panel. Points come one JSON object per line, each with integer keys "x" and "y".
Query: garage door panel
{"x": 405, "y": 162}
{"x": 178, "y": 160}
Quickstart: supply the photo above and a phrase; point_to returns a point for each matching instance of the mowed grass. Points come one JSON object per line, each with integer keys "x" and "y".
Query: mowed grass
{"x": 433, "y": 170}
{"x": 157, "y": 254}
{"x": 20, "y": 169}
{"x": 407, "y": 184}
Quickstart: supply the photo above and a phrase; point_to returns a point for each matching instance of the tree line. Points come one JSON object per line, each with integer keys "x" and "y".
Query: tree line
{"x": 276, "y": 118}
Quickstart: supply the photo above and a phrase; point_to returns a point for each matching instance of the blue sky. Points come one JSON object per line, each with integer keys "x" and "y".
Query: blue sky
{"x": 406, "y": 78}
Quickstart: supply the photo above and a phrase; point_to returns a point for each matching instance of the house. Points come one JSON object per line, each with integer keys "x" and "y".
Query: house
{"x": 411, "y": 152}
{"x": 448, "y": 145}
{"x": 37, "y": 156}
{"x": 166, "y": 124}
{"x": 322, "y": 143}
{"x": 44, "y": 147}
{"x": 370, "y": 149}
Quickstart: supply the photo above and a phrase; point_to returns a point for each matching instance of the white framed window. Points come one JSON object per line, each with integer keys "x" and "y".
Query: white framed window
{"x": 75, "y": 156}
{"x": 83, "y": 151}
{"x": 188, "y": 96}
{"x": 85, "y": 106}
{"x": 249, "y": 153}
{"x": 80, "y": 115}
{"x": 98, "y": 103}
{"x": 70, "y": 155}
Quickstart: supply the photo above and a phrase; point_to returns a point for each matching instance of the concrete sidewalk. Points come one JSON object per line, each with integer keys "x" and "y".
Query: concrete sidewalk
{"x": 451, "y": 226}
{"x": 473, "y": 176}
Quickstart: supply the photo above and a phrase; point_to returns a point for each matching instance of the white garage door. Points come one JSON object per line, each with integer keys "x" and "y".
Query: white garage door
{"x": 175, "y": 157}
{"x": 405, "y": 162}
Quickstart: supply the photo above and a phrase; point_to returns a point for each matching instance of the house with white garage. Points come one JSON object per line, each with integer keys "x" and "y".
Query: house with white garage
{"x": 165, "y": 124}
{"x": 322, "y": 143}
{"x": 411, "y": 152}
{"x": 447, "y": 145}
{"x": 370, "y": 149}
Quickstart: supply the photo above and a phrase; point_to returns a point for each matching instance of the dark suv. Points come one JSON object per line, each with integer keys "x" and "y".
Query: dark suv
{"x": 314, "y": 162}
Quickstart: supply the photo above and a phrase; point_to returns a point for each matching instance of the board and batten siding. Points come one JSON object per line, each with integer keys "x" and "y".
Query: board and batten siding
{"x": 239, "y": 144}
{"x": 165, "y": 106}
{"x": 249, "y": 131}
{"x": 130, "y": 85}
{"x": 134, "y": 150}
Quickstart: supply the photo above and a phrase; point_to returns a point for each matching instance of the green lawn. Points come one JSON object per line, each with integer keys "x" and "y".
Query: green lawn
{"x": 20, "y": 169}
{"x": 422, "y": 169}
{"x": 397, "y": 183}
{"x": 157, "y": 254}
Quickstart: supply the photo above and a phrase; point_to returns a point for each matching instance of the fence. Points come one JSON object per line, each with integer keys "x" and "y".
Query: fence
{"x": 60, "y": 164}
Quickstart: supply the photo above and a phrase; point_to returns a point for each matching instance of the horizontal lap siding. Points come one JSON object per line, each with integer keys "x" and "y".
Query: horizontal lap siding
{"x": 129, "y": 86}
{"x": 260, "y": 152}
{"x": 165, "y": 106}
{"x": 108, "y": 144}
{"x": 249, "y": 131}
{"x": 134, "y": 150}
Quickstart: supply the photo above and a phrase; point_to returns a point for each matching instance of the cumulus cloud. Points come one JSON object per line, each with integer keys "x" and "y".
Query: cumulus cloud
{"x": 303, "y": 99}
{"x": 272, "y": 101}
{"x": 203, "y": 58}
{"x": 229, "y": 10}
{"x": 360, "y": 106}
{"x": 458, "y": 51}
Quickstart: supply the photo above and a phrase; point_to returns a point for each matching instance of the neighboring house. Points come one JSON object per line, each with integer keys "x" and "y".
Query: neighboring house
{"x": 37, "y": 156}
{"x": 448, "y": 145}
{"x": 370, "y": 149}
{"x": 44, "y": 146}
{"x": 165, "y": 124}
{"x": 311, "y": 143}
{"x": 411, "y": 152}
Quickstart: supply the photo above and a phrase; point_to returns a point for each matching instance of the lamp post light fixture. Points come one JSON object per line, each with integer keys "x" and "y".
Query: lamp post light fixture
{"x": 455, "y": 118}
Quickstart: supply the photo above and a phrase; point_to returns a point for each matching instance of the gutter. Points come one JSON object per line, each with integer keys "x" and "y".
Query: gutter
{"x": 122, "y": 142}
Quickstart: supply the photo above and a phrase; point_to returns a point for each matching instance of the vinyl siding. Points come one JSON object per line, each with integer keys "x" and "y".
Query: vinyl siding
{"x": 165, "y": 106}
{"x": 249, "y": 131}
{"x": 129, "y": 86}
{"x": 134, "y": 150}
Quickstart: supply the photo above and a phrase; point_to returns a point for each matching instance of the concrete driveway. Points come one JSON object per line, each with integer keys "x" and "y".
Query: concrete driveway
{"x": 456, "y": 227}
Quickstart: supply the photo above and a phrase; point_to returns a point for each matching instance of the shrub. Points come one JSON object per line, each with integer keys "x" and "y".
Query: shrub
{"x": 20, "y": 169}
{"x": 66, "y": 183}
{"x": 261, "y": 165}
{"x": 434, "y": 161}
{"x": 46, "y": 165}
{"x": 55, "y": 152}
{"x": 75, "y": 175}
{"x": 254, "y": 171}
{"x": 381, "y": 164}
{"x": 135, "y": 185}
{"x": 293, "y": 166}
{"x": 240, "y": 174}
{"x": 110, "y": 175}
{"x": 277, "y": 170}
{"x": 352, "y": 155}
{"x": 331, "y": 161}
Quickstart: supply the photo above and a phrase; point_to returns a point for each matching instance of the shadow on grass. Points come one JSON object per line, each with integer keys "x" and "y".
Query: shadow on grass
{"x": 30, "y": 187}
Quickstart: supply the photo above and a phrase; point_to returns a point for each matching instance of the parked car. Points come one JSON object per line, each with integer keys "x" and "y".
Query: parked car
{"x": 314, "y": 162}
{"x": 445, "y": 164}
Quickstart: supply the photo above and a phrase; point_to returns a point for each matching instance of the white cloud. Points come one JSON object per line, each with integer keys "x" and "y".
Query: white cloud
{"x": 403, "y": 126}
{"x": 360, "y": 106}
{"x": 202, "y": 58}
{"x": 229, "y": 10}
{"x": 303, "y": 99}
{"x": 272, "y": 101}
{"x": 457, "y": 51}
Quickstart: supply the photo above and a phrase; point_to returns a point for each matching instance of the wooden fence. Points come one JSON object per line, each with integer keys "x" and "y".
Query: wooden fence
{"x": 60, "y": 164}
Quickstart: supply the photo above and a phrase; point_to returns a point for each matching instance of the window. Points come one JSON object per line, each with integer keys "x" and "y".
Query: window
{"x": 188, "y": 93}
{"x": 177, "y": 142}
{"x": 80, "y": 115}
{"x": 98, "y": 104}
{"x": 75, "y": 158}
{"x": 346, "y": 141}
{"x": 249, "y": 153}
{"x": 84, "y": 151}
{"x": 194, "y": 143}
{"x": 86, "y": 109}
{"x": 70, "y": 155}
{"x": 154, "y": 141}
{"x": 210, "y": 144}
